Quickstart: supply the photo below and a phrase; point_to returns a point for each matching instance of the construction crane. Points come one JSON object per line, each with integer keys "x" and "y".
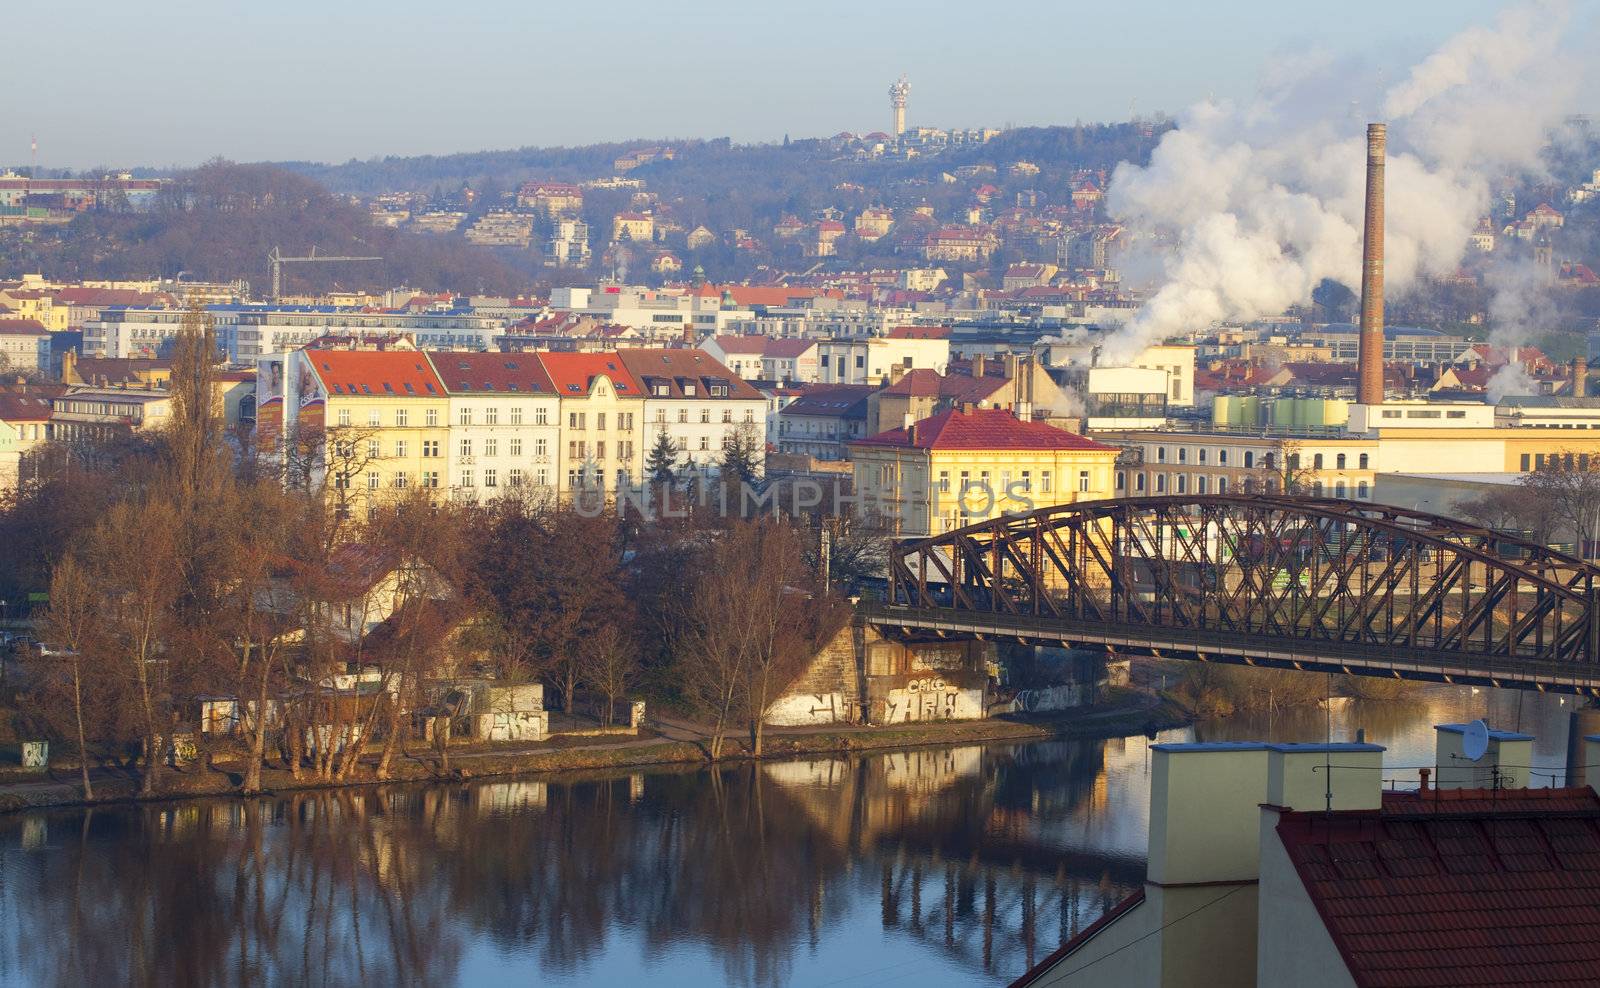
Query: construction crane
{"x": 278, "y": 260}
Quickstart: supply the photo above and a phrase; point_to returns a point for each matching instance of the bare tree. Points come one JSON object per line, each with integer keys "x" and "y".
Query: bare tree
{"x": 553, "y": 576}
{"x": 423, "y": 539}
{"x": 69, "y": 624}
{"x": 743, "y": 626}
{"x": 610, "y": 664}
{"x": 135, "y": 554}
{"x": 779, "y": 609}
{"x": 1514, "y": 508}
{"x": 1570, "y": 484}
{"x": 259, "y": 611}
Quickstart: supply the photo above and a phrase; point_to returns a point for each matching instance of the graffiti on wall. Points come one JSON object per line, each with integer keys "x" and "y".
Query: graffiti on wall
{"x": 931, "y": 698}
{"x": 799, "y": 709}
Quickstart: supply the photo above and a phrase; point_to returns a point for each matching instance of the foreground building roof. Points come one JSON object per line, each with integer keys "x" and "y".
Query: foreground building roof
{"x": 981, "y": 429}
{"x": 1458, "y": 886}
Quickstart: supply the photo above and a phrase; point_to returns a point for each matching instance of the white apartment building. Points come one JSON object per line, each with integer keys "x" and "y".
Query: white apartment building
{"x": 1175, "y": 360}
{"x": 869, "y": 361}
{"x": 658, "y": 315}
{"x": 245, "y": 332}
{"x": 249, "y": 331}
{"x": 131, "y": 331}
{"x": 504, "y": 420}
{"x": 765, "y": 358}
{"x": 24, "y": 345}
{"x": 698, "y": 402}
{"x": 822, "y": 318}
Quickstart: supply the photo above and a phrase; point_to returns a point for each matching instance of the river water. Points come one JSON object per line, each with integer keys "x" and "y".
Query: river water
{"x": 927, "y": 867}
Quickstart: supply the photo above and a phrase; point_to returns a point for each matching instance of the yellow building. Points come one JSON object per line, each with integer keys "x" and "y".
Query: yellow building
{"x": 961, "y": 467}
{"x": 39, "y": 304}
{"x": 640, "y": 227}
{"x": 600, "y": 417}
{"x": 384, "y": 415}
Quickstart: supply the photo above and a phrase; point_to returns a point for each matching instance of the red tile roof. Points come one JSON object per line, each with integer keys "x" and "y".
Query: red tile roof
{"x": 375, "y": 373}
{"x": 741, "y": 344}
{"x": 788, "y": 349}
{"x": 24, "y": 408}
{"x": 675, "y": 368}
{"x": 1458, "y": 887}
{"x": 78, "y": 295}
{"x": 984, "y": 428}
{"x": 572, "y": 374}
{"x": 23, "y": 327}
{"x": 919, "y": 333}
{"x": 958, "y": 388}
{"x": 767, "y": 346}
{"x": 499, "y": 373}
{"x": 847, "y": 401}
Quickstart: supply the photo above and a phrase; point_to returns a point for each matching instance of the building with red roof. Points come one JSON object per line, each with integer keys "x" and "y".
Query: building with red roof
{"x": 1265, "y": 868}
{"x": 919, "y": 333}
{"x": 822, "y": 420}
{"x": 504, "y": 417}
{"x": 697, "y": 403}
{"x": 961, "y": 467}
{"x": 24, "y": 345}
{"x": 766, "y": 358}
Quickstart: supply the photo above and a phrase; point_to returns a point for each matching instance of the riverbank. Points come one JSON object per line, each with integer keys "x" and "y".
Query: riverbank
{"x": 672, "y": 743}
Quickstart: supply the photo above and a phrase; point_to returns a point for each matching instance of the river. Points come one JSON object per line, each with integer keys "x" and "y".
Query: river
{"x": 926, "y": 867}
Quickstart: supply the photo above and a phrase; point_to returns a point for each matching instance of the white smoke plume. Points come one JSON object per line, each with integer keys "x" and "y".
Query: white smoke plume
{"x": 1245, "y": 208}
{"x": 1520, "y": 307}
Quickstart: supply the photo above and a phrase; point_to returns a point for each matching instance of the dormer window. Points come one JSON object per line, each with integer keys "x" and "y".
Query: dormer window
{"x": 719, "y": 391}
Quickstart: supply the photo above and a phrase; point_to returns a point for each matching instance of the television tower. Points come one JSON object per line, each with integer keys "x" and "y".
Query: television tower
{"x": 898, "y": 93}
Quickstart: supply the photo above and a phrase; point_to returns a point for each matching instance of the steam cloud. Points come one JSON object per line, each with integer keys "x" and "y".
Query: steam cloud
{"x": 1244, "y": 209}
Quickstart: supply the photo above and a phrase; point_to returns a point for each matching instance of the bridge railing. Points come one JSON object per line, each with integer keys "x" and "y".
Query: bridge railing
{"x": 1399, "y": 662}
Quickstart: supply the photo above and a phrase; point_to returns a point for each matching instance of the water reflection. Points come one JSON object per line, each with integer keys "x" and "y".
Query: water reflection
{"x": 934, "y": 866}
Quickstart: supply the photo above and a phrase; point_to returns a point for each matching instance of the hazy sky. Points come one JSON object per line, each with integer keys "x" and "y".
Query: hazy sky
{"x": 176, "y": 81}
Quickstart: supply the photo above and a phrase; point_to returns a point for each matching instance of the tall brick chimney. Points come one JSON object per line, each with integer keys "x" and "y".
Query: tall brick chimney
{"x": 1580, "y": 377}
{"x": 1369, "y": 372}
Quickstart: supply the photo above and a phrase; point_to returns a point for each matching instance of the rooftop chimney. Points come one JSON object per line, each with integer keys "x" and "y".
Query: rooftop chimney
{"x": 1504, "y": 765}
{"x": 1369, "y": 379}
{"x": 1580, "y": 377}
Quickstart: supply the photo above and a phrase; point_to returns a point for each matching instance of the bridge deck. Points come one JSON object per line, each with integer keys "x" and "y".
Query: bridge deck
{"x": 1354, "y": 658}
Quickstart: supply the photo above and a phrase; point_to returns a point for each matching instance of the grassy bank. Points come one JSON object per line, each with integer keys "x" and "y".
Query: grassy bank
{"x": 1132, "y": 713}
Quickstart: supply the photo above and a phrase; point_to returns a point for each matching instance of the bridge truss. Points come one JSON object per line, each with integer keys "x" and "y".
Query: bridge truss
{"x": 1311, "y": 583}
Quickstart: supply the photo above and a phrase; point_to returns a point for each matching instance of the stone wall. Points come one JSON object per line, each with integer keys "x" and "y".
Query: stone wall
{"x": 829, "y": 691}
{"x": 862, "y": 677}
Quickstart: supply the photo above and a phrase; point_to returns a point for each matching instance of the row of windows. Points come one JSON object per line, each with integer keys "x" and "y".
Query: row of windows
{"x": 1424, "y": 413}
{"x": 1267, "y": 460}
{"x": 579, "y": 420}
{"x": 1182, "y": 483}
{"x": 491, "y": 447}
{"x": 1023, "y": 482}
{"x": 515, "y": 477}
{"x": 1555, "y": 461}
{"x": 430, "y": 417}
{"x": 579, "y": 449}
{"x": 683, "y": 416}
{"x": 491, "y": 416}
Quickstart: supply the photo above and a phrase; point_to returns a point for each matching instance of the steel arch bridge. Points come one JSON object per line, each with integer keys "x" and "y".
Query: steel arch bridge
{"x": 1306, "y": 583}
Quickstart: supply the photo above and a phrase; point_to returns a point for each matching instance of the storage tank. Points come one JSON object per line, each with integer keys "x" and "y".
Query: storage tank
{"x": 1250, "y": 411}
{"x": 1285, "y": 413}
{"x": 1336, "y": 412}
{"x": 1221, "y": 408}
{"x": 1311, "y": 412}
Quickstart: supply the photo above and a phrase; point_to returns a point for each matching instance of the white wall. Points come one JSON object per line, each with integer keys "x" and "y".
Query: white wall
{"x": 1293, "y": 946}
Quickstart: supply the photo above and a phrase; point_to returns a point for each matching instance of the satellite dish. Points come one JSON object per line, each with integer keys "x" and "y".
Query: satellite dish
{"x": 1475, "y": 740}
